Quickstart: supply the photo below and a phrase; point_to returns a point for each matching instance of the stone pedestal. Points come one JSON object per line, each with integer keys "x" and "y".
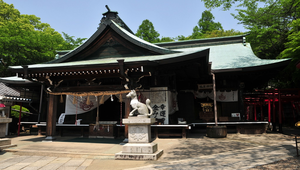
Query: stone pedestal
{"x": 3, "y": 125}
{"x": 139, "y": 138}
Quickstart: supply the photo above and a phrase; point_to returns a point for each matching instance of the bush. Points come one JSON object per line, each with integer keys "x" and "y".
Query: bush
{"x": 15, "y": 111}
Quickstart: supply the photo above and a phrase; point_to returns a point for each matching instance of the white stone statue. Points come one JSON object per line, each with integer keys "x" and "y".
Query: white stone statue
{"x": 141, "y": 108}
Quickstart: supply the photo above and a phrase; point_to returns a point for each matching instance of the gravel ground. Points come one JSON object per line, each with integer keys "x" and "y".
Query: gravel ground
{"x": 288, "y": 164}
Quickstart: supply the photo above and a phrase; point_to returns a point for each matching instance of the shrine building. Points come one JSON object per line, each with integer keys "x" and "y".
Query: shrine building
{"x": 89, "y": 84}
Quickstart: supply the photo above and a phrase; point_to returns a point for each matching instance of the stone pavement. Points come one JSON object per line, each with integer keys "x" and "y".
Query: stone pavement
{"x": 237, "y": 151}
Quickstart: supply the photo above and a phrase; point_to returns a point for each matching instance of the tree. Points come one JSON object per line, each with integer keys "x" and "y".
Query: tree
{"x": 147, "y": 32}
{"x": 71, "y": 43}
{"x": 166, "y": 39}
{"x": 290, "y": 77}
{"x": 181, "y": 38}
{"x": 196, "y": 33}
{"x": 221, "y": 33}
{"x": 227, "y": 4}
{"x": 24, "y": 39}
{"x": 205, "y": 25}
{"x": 273, "y": 31}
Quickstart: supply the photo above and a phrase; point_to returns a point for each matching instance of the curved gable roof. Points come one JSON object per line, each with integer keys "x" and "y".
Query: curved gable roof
{"x": 117, "y": 25}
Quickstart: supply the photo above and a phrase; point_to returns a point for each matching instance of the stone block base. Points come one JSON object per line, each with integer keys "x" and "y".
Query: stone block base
{"x": 5, "y": 142}
{"x": 140, "y": 148}
{"x": 136, "y": 156}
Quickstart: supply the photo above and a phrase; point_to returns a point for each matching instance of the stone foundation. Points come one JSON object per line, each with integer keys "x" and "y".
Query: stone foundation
{"x": 3, "y": 127}
{"x": 139, "y": 138}
{"x": 138, "y": 156}
{"x": 5, "y": 143}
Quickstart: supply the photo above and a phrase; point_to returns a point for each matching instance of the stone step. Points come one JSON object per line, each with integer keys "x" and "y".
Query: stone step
{"x": 3, "y": 147}
{"x": 5, "y": 141}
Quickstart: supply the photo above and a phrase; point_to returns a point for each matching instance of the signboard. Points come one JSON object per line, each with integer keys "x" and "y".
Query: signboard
{"x": 236, "y": 115}
{"x": 163, "y": 103}
{"x": 159, "y": 103}
{"x": 205, "y": 86}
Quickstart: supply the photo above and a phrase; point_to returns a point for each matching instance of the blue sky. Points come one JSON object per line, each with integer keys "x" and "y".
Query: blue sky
{"x": 80, "y": 18}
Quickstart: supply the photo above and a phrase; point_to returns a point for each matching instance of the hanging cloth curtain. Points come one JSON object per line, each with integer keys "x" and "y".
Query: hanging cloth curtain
{"x": 81, "y": 104}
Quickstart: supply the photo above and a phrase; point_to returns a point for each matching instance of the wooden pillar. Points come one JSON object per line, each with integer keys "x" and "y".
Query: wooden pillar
{"x": 51, "y": 117}
{"x": 20, "y": 114}
{"x": 215, "y": 99}
{"x": 241, "y": 100}
{"x": 261, "y": 113}
{"x": 127, "y": 111}
{"x": 294, "y": 108}
{"x": 274, "y": 113}
{"x": 279, "y": 111}
{"x": 269, "y": 110}
{"x": 255, "y": 113}
{"x": 41, "y": 102}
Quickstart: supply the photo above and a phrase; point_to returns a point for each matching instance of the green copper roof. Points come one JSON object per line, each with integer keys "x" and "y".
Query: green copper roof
{"x": 234, "y": 56}
{"x": 223, "y": 57}
{"x": 15, "y": 80}
{"x": 107, "y": 61}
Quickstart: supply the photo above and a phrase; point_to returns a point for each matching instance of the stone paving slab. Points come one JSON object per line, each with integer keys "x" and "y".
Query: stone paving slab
{"x": 234, "y": 152}
{"x": 241, "y": 159}
{"x": 44, "y": 163}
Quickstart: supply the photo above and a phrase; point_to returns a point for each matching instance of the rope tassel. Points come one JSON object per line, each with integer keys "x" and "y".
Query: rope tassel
{"x": 61, "y": 99}
{"x": 74, "y": 99}
{"x": 88, "y": 100}
{"x": 121, "y": 100}
{"x": 102, "y": 100}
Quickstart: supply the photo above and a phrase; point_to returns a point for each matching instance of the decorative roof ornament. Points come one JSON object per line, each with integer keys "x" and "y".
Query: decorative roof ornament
{"x": 113, "y": 16}
{"x": 106, "y": 6}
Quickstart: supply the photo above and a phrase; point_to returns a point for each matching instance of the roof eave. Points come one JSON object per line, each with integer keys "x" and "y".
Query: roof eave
{"x": 254, "y": 68}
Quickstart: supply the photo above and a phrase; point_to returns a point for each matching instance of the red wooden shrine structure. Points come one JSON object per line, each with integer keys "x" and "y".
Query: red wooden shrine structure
{"x": 278, "y": 106}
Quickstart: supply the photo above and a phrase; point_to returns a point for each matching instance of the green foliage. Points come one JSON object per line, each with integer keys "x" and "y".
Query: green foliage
{"x": 71, "y": 43}
{"x": 182, "y": 38}
{"x": 274, "y": 31}
{"x": 221, "y": 33}
{"x": 206, "y": 23}
{"x": 15, "y": 111}
{"x": 147, "y": 32}
{"x": 227, "y": 4}
{"x": 292, "y": 49}
{"x": 24, "y": 39}
{"x": 196, "y": 33}
{"x": 290, "y": 77}
{"x": 166, "y": 39}
{"x": 269, "y": 26}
